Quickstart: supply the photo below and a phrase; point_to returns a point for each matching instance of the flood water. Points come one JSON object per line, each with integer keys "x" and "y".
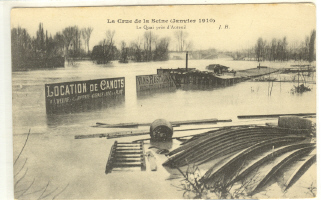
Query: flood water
{"x": 54, "y": 155}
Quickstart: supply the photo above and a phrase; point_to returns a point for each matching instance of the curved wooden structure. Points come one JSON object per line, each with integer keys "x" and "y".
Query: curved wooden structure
{"x": 218, "y": 143}
{"x": 211, "y": 173}
{"x": 280, "y": 165}
{"x": 279, "y": 151}
{"x": 300, "y": 171}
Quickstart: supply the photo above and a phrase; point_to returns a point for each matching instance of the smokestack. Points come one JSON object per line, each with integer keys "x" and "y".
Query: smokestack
{"x": 186, "y": 60}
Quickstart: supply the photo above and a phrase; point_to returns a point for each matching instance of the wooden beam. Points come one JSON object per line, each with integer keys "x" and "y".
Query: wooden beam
{"x": 273, "y": 115}
{"x": 174, "y": 123}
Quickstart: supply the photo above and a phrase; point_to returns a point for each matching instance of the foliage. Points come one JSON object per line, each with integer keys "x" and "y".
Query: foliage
{"x": 151, "y": 48}
{"x": 106, "y": 50}
{"x": 279, "y": 50}
{"x": 223, "y": 187}
{"x": 44, "y": 51}
{"x": 191, "y": 184}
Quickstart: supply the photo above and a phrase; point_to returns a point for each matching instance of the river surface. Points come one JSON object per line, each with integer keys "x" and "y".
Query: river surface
{"x": 54, "y": 155}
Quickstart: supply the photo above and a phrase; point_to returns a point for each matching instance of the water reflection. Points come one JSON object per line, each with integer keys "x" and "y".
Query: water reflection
{"x": 149, "y": 93}
{"x": 187, "y": 87}
{"x": 168, "y": 144}
{"x": 56, "y": 114}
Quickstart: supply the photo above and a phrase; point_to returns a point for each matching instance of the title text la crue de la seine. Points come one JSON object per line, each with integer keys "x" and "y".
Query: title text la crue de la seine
{"x": 180, "y": 23}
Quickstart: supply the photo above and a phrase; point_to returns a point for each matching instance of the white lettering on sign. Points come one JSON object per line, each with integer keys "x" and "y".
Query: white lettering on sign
{"x": 85, "y": 87}
{"x": 155, "y": 81}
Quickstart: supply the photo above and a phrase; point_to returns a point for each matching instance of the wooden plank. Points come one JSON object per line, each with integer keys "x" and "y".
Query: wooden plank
{"x": 129, "y": 156}
{"x": 118, "y": 160}
{"x": 126, "y": 143}
{"x": 90, "y": 136}
{"x": 126, "y": 133}
{"x": 202, "y": 121}
{"x": 273, "y": 115}
{"x": 127, "y": 146}
{"x": 174, "y": 123}
{"x": 121, "y": 165}
{"x": 121, "y": 125}
{"x": 127, "y": 149}
{"x": 128, "y": 152}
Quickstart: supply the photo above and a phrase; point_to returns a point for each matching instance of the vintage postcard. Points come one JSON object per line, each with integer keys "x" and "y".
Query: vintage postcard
{"x": 164, "y": 102}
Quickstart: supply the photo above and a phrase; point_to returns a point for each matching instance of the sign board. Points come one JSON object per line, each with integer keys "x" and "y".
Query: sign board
{"x": 154, "y": 82}
{"x": 72, "y": 94}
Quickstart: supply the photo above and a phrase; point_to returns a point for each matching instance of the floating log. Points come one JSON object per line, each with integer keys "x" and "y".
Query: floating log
{"x": 111, "y": 135}
{"x": 121, "y": 125}
{"x": 300, "y": 171}
{"x": 90, "y": 136}
{"x": 174, "y": 123}
{"x": 280, "y": 165}
{"x": 202, "y": 121}
{"x": 273, "y": 115}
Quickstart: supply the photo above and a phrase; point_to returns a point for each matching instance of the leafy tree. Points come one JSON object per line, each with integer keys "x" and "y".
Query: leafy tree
{"x": 124, "y": 53}
{"x": 161, "y": 51}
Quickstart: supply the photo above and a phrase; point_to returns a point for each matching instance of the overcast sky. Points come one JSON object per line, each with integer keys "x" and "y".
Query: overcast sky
{"x": 245, "y": 23}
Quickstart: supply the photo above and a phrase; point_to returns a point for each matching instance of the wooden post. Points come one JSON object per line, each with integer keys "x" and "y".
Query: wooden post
{"x": 186, "y": 60}
{"x": 110, "y": 161}
{"x": 152, "y": 161}
{"x": 143, "y": 162}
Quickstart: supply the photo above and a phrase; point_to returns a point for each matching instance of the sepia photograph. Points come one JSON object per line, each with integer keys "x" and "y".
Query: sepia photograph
{"x": 214, "y": 101}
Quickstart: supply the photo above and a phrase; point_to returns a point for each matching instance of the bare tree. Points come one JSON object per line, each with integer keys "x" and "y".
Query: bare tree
{"x": 181, "y": 36}
{"x": 149, "y": 39}
{"x": 86, "y": 33}
{"x": 110, "y": 36}
{"x": 71, "y": 35}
